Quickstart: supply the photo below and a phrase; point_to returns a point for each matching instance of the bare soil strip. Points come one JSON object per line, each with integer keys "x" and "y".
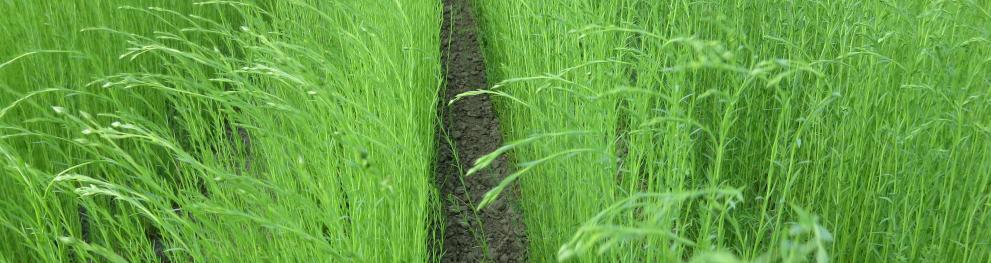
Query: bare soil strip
{"x": 470, "y": 129}
{"x": 84, "y": 224}
{"x": 158, "y": 245}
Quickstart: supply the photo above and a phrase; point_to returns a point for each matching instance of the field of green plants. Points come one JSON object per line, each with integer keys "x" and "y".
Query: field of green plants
{"x": 639, "y": 130}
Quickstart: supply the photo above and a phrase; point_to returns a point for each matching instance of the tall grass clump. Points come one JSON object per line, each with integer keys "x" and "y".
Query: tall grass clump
{"x": 562, "y": 137}
{"x": 659, "y": 131}
{"x": 218, "y": 131}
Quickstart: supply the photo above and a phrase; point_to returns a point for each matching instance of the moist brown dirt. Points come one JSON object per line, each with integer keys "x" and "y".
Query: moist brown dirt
{"x": 470, "y": 129}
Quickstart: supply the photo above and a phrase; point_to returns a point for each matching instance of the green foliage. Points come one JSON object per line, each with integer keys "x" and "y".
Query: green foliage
{"x": 217, "y": 131}
{"x": 644, "y": 131}
{"x": 873, "y": 115}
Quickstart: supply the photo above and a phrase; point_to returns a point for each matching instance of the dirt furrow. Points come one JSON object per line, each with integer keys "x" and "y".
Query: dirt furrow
{"x": 470, "y": 129}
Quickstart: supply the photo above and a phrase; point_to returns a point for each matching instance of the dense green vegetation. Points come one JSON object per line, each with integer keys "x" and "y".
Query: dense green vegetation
{"x": 219, "y": 131}
{"x": 710, "y": 127}
{"x": 642, "y": 131}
